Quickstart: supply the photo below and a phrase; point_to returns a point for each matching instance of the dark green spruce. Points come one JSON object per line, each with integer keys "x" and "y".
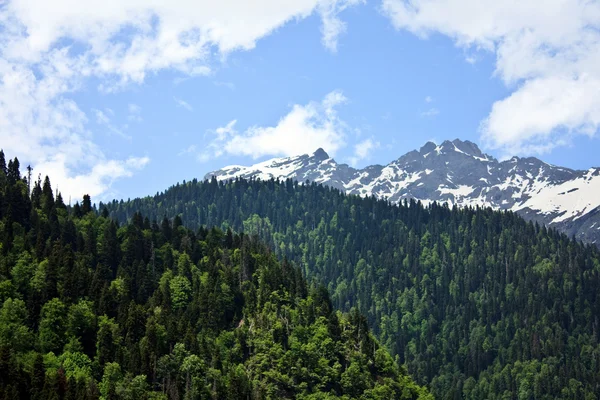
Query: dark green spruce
{"x": 92, "y": 309}
{"x": 478, "y": 304}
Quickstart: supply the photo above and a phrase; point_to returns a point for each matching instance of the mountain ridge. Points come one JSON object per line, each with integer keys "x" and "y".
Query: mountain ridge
{"x": 458, "y": 173}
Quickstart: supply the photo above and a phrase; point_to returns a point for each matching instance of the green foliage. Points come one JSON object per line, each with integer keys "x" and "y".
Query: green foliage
{"x": 468, "y": 299}
{"x": 76, "y": 365}
{"x": 94, "y": 310}
{"x": 180, "y": 292}
{"x": 51, "y": 337}
{"x": 111, "y": 381}
{"x": 81, "y": 324}
{"x": 14, "y": 332}
{"x": 23, "y": 271}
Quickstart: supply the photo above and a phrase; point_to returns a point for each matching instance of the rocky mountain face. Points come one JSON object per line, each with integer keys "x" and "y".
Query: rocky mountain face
{"x": 456, "y": 172}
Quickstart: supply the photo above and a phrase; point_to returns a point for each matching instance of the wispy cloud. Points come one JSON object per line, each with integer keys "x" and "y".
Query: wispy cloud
{"x": 333, "y": 26}
{"x": 363, "y": 150}
{"x": 187, "y": 150}
{"x": 104, "y": 120}
{"x": 183, "y": 104}
{"x": 134, "y": 113}
{"x": 471, "y": 59}
{"x": 432, "y": 112}
{"x": 228, "y": 85}
{"x": 428, "y": 99}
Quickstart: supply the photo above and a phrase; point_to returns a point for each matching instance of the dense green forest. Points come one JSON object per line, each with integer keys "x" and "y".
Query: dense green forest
{"x": 90, "y": 309}
{"x": 477, "y": 304}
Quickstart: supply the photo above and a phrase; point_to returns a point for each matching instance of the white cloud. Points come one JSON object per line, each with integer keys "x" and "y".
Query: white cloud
{"x": 50, "y": 50}
{"x": 428, "y": 99}
{"x": 48, "y": 130}
{"x": 332, "y": 26}
{"x": 130, "y": 38}
{"x": 183, "y": 104}
{"x": 187, "y": 150}
{"x": 94, "y": 182}
{"x": 228, "y": 85}
{"x": 471, "y": 59}
{"x": 548, "y": 51}
{"x": 363, "y": 150}
{"x": 432, "y": 112}
{"x": 304, "y": 129}
{"x": 134, "y": 108}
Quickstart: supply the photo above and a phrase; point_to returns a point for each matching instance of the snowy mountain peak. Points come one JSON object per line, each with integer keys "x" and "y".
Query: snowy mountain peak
{"x": 459, "y": 173}
{"x": 454, "y": 150}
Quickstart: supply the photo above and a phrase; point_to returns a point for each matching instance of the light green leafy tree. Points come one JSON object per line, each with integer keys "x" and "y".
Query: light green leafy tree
{"x": 181, "y": 289}
{"x": 111, "y": 380}
{"x": 14, "y": 333}
{"x": 52, "y": 326}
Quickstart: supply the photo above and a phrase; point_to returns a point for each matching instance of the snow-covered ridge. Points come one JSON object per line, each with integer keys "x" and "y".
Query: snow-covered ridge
{"x": 456, "y": 172}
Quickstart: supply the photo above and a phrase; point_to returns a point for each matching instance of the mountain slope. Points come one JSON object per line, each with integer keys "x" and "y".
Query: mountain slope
{"x": 478, "y": 304}
{"x": 460, "y": 174}
{"x": 90, "y": 309}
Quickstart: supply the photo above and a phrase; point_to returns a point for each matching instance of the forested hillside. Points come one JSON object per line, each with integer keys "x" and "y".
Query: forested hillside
{"x": 90, "y": 309}
{"x": 478, "y": 304}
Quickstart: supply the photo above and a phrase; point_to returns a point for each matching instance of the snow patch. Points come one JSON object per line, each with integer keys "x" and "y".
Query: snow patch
{"x": 569, "y": 200}
{"x": 460, "y": 191}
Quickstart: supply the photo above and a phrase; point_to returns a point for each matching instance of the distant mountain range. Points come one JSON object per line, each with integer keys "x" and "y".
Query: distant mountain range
{"x": 459, "y": 173}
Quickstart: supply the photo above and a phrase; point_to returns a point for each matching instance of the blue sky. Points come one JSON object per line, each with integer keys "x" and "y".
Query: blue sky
{"x": 116, "y": 108}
